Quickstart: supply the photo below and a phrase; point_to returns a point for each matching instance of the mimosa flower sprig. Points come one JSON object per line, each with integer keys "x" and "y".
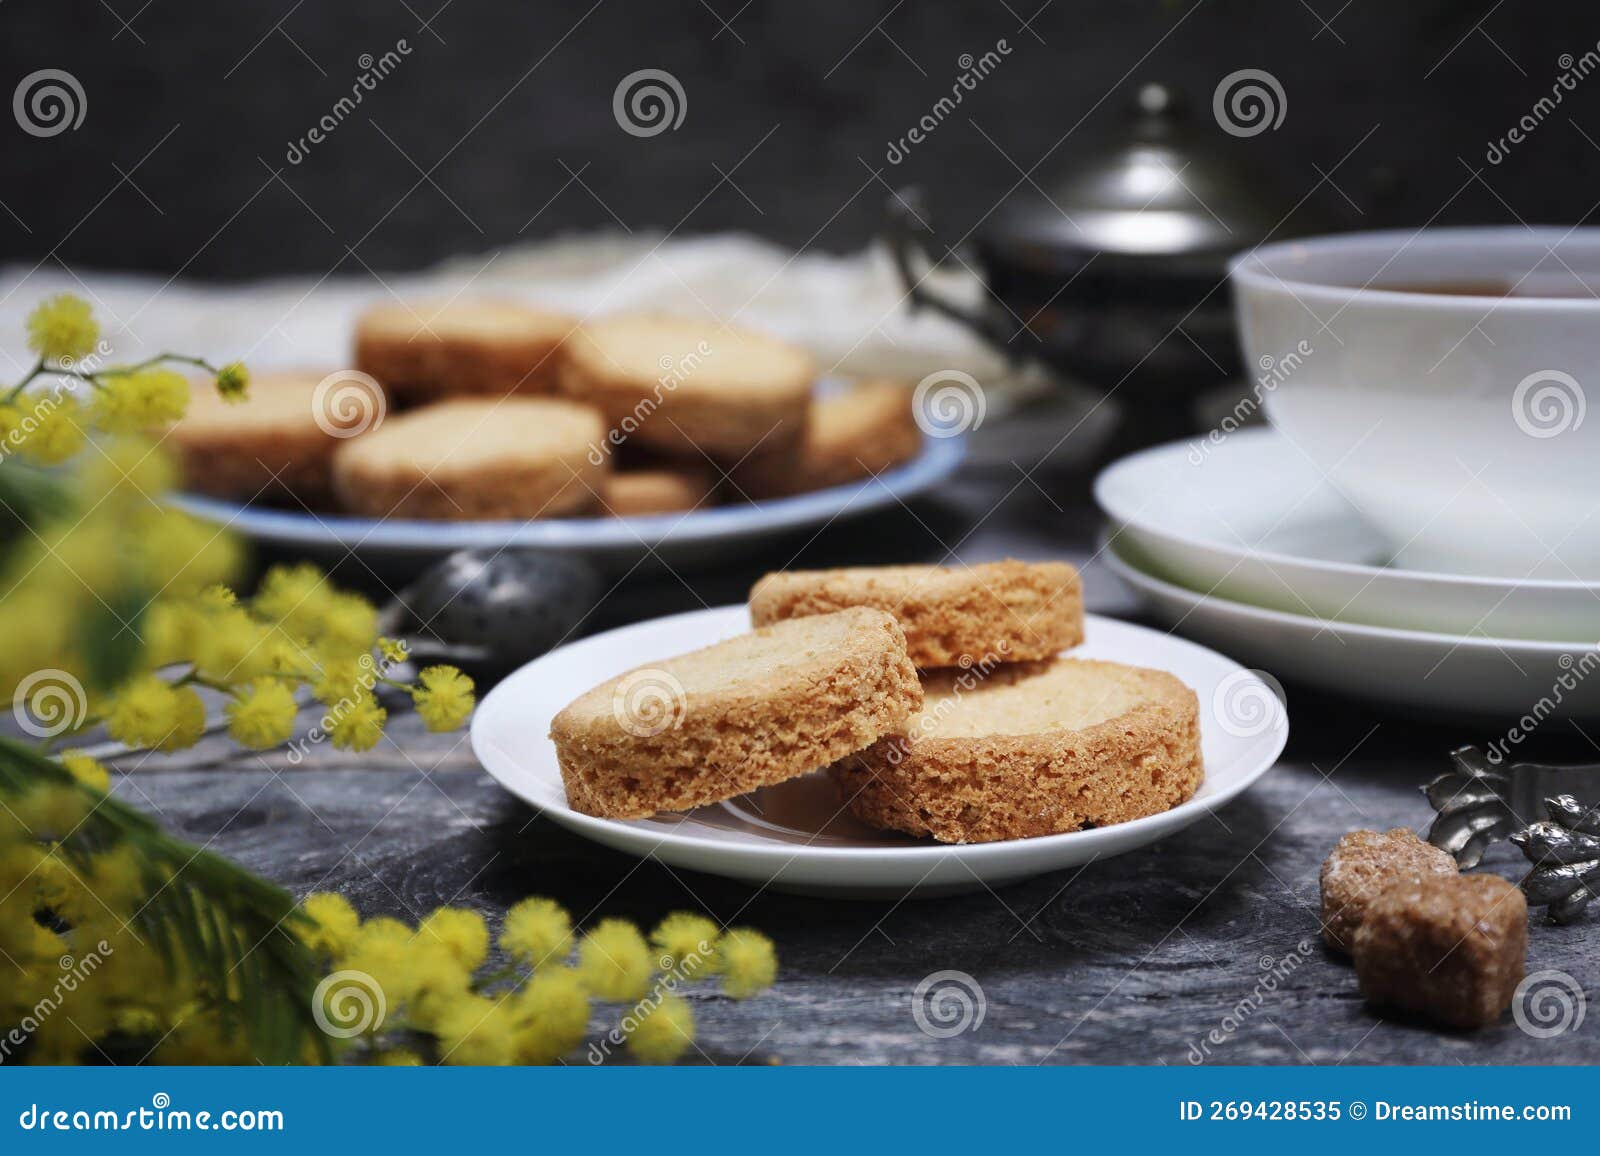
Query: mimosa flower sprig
{"x": 428, "y": 994}
{"x": 129, "y": 946}
{"x": 126, "y": 398}
{"x": 122, "y": 600}
{"x": 114, "y": 611}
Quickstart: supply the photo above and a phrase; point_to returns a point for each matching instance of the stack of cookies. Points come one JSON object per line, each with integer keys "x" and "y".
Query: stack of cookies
{"x": 506, "y": 411}
{"x": 935, "y": 697}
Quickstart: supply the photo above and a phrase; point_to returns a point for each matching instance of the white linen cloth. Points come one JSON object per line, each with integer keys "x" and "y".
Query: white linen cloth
{"x": 850, "y": 311}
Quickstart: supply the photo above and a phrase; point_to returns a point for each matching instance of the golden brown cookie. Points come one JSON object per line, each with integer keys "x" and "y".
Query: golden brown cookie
{"x": 747, "y": 712}
{"x": 424, "y": 351}
{"x": 688, "y": 385}
{"x": 1030, "y": 749}
{"x": 470, "y": 459}
{"x": 1449, "y": 947}
{"x": 1360, "y": 866}
{"x": 279, "y": 442}
{"x": 855, "y": 434}
{"x": 656, "y": 491}
{"x": 1008, "y": 611}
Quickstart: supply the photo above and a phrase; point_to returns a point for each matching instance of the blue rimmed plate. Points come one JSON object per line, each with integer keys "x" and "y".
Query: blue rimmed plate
{"x": 671, "y": 539}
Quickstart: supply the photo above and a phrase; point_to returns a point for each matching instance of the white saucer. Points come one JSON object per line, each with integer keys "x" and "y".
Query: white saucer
{"x": 1251, "y": 519}
{"x": 673, "y": 539}
{"x": 793, "y": 837}
{"x": 1504, "y": 679}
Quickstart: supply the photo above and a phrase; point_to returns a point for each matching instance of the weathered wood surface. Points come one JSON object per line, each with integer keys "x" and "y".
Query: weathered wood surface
{"x": 1136, "y": 959}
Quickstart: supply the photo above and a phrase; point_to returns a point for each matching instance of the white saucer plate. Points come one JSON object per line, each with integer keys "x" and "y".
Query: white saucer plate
{"x": 795, "y": 837}
{"x": 1250, "y": 519}
{"x": 680, "y": 539}
{"x": 1508, "y": 680}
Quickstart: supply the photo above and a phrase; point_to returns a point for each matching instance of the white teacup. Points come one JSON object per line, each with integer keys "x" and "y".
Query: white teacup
{"x": 1439, "y": 378}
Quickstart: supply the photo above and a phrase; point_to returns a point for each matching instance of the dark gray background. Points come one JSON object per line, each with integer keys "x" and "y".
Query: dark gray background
{"x": 498, "y": 125}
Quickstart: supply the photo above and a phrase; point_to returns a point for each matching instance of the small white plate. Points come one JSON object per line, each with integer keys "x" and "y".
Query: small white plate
{"x": 1452, "y": 675}
{"x": 794, "y": 837}
{"x": 1251, "y": 519}
{"x": 680, "y": 539}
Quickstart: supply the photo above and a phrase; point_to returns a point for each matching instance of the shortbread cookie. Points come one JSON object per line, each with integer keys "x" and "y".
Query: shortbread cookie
{"x": 1449, "y": 947}
{"x": 425, "y": 351}
{"x": 848, "y": 436}
{"x": 1358, "y": 869}
{"x": 278, "y": 444}
{"x": 688, "y": 385}
{"x": 472, "y": 459}
{"x": 659, "y": 491}
{"x": 754, "y": 710}
{"x": 1030, "y": 749}
{"x": 952, "y": 615}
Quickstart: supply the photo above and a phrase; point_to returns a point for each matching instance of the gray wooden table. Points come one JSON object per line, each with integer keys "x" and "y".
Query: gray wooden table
{"x": 1202, "y": 948}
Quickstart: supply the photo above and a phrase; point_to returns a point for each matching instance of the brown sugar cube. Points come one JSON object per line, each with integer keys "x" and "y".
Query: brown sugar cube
{"x": 1449, "y": 947}
{"x": 1361, "y": 865}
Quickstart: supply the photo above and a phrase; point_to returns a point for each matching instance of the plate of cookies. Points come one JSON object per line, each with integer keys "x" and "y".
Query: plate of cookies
{"x": 880, "y": 732}
{"x": 493, "y": 423}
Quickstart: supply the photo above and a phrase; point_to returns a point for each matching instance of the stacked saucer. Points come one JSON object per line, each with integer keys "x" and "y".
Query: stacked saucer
{"x": 1243, "y": 543}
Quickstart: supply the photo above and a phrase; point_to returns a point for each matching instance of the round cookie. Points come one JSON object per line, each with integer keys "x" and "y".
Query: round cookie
{"x": 953, "y": 615}
{"x": 747, "y": 712}
{"x": 688, "y": 385}
{"x": 627, "y": 493}
{"x": 426, "y": 351}
{"x": 1026, "y": 749}
{"x": 855, "y": 434}
{"x": 276, "y": 444}
{"x": 475, "y": 459}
